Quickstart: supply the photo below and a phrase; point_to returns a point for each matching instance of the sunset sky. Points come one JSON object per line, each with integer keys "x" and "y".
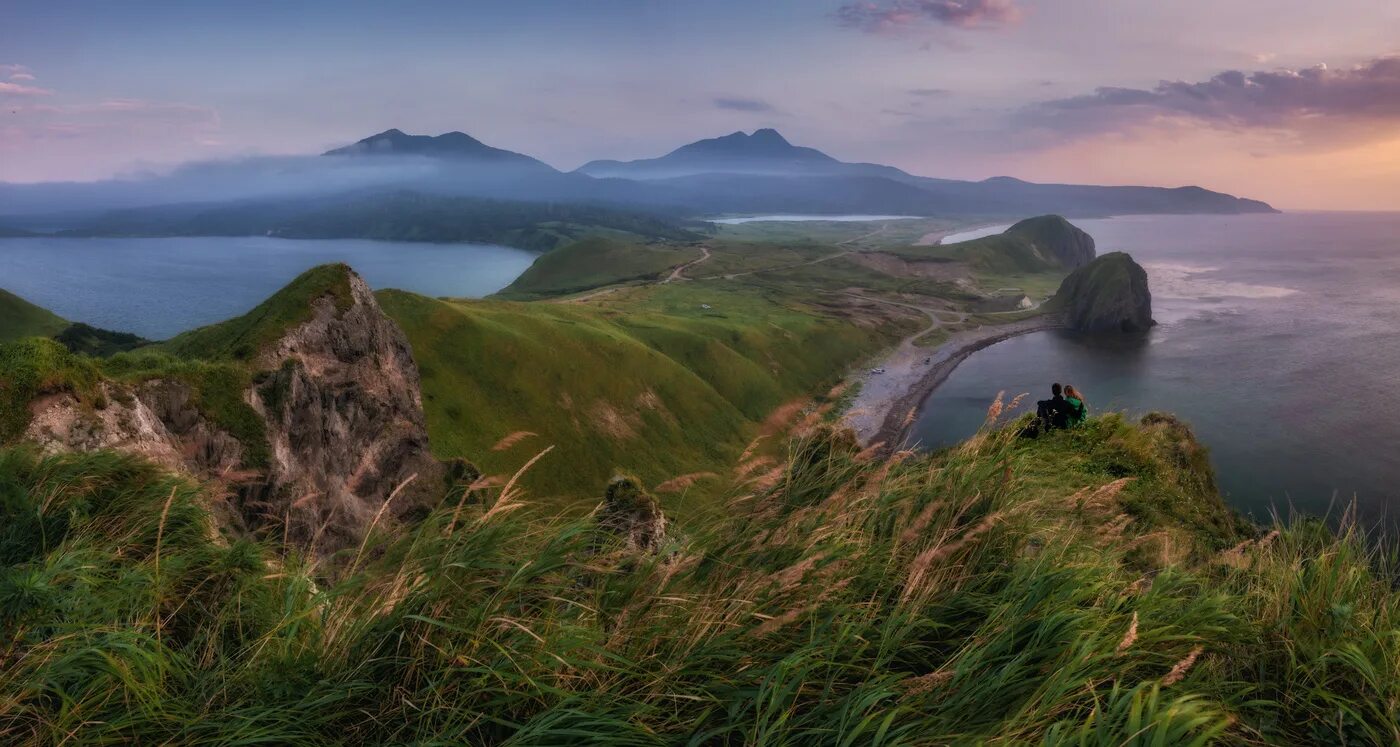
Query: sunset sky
{"x": 1292, "y": 101}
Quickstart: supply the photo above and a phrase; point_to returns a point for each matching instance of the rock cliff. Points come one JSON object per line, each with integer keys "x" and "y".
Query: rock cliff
{"x": 1109, "y": 294}
{"x": 336, "y": 394}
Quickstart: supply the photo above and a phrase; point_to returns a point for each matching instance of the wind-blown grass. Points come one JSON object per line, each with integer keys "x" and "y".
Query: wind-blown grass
{"x": 968, "y": 596}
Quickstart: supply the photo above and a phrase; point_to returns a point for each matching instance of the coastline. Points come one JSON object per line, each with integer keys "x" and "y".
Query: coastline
{"x": 880, "y": 413}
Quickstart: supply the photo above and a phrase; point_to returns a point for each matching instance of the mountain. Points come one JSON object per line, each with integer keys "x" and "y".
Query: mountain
{"x": 717, "y": 173}
{"x": 737, "y": 173}
{"x": 454, "y": 145}
{"x": 764, "y": 152}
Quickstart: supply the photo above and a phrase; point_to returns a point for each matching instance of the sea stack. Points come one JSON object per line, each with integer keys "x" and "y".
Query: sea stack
{"x": 1109, "y": 294}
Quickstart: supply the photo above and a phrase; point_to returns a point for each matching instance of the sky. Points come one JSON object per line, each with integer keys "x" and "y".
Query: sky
{"x": 1292, "y": 101}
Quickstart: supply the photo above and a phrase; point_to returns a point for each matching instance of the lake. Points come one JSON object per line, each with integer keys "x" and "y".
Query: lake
{"x": 160, "y": 287}
{"x": 1279, "y": 341}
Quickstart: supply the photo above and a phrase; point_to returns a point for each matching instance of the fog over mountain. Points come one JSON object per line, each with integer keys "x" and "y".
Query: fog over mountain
{"x": 736, "y": 173}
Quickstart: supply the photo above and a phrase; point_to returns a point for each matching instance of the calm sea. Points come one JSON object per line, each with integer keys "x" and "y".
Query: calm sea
{"x": 1279, "y": 341}
{"x": 160, "y": 287}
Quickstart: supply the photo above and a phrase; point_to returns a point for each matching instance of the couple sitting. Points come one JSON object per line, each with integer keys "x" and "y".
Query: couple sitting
{"x": 1065, "y": 409}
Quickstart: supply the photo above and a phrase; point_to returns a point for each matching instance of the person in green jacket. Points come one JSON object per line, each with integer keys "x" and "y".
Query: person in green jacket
{"x": 1079, "y": 409}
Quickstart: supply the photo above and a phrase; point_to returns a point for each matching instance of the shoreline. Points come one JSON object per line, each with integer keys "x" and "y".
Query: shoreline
{"x": 880, "y": 414}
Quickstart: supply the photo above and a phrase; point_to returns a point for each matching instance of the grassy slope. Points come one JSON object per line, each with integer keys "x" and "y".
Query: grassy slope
{"x": 241, "y": 338}
{"x": 1086, "y": 588}
{"x": 594, "y": 262}
{"x": 19, "y": 319}
{"x": 654, "y": 385}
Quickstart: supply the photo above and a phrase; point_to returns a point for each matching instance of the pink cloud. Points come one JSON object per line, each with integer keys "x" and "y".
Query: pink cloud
{"x": 21, "y": 76}
{"x": 16, "y": 89}
{"x": 1319, "y": 102}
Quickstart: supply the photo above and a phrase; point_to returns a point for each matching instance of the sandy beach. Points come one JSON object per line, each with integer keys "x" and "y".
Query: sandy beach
{"x": 887, "y": 403}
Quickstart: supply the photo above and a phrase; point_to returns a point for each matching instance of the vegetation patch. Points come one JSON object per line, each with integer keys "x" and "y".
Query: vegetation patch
{"x": 652, "y": 383}
{"x": 970, "y": 596}
{"x": 592, "y": 263}
{"x": 34, "y": 367}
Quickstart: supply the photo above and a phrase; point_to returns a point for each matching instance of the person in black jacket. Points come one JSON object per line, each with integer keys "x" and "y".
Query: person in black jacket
{"x": 1055, "y": 412}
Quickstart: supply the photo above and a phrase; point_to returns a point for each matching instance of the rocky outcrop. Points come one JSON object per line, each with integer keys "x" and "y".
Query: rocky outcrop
{"x": 341, "y": 413}
{"x": 341, "y": 399}
{"x": 1053, "y": 236}
{"x": 1109, "y": 294}
{"x": 154, "y": 419}
{"x": 631, "y": 516}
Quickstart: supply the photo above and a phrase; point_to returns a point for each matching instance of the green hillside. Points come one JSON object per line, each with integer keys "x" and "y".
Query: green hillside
{"x": 592, "y": 263}
{"x": 242, "y": 337}
{"x": 656, "y": 385}
{"x": 19, "y": 319}
{"x": 1044, "y": 244}
{"x": 1085, "y": 588}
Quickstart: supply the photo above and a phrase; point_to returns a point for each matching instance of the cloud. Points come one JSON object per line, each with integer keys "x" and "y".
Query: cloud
{"x": 1315, "y": 103}
{"x": 899, "y": 15}
{"x": 17, "y": 89}
{"x": 929, "y": 92}
{"x": 743, "y": 105}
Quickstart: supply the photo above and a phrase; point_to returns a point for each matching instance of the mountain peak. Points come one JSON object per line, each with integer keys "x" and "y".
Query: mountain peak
{"x": 769, "y": 135}
{"x": 455, "y": 144}
{"x": 766, "y": 143}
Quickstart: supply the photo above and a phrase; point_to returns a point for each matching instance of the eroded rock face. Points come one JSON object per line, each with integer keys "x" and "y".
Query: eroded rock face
{"x": 341, "y": 398}
{"x": 1109, "y": 294}
{"x": 341, "y": 407}
{"x": 154, "y": 420}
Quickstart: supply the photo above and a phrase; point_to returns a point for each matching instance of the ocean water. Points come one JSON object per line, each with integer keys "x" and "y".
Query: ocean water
{"x": 160, "y": 287}
{"x": 1279, "y": 342}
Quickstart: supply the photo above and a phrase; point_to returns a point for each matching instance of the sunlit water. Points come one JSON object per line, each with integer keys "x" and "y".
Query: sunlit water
{"x": 1279, "y": 342}
{"x": 160, "y": 287}
{"x": 808, "y": 218}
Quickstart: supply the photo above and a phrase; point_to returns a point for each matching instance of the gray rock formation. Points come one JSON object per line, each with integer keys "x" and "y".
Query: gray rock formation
{"x": 154, "y": 419}
{"x": 1109, "y": 294}
{"x": 341, "y": 409}
{"x": 341, "y": 398}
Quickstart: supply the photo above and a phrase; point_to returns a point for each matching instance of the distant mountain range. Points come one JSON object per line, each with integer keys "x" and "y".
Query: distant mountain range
{"x": 763, "y": 171}
{"x": 760, "y": 172}
{"x": 766, "y": 153}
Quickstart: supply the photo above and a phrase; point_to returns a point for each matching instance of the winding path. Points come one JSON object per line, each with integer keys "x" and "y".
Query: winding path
{"x": 676, "y": 274}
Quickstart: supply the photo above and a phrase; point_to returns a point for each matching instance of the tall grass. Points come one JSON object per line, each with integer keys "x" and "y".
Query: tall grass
{"x": 969, "y": 596}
